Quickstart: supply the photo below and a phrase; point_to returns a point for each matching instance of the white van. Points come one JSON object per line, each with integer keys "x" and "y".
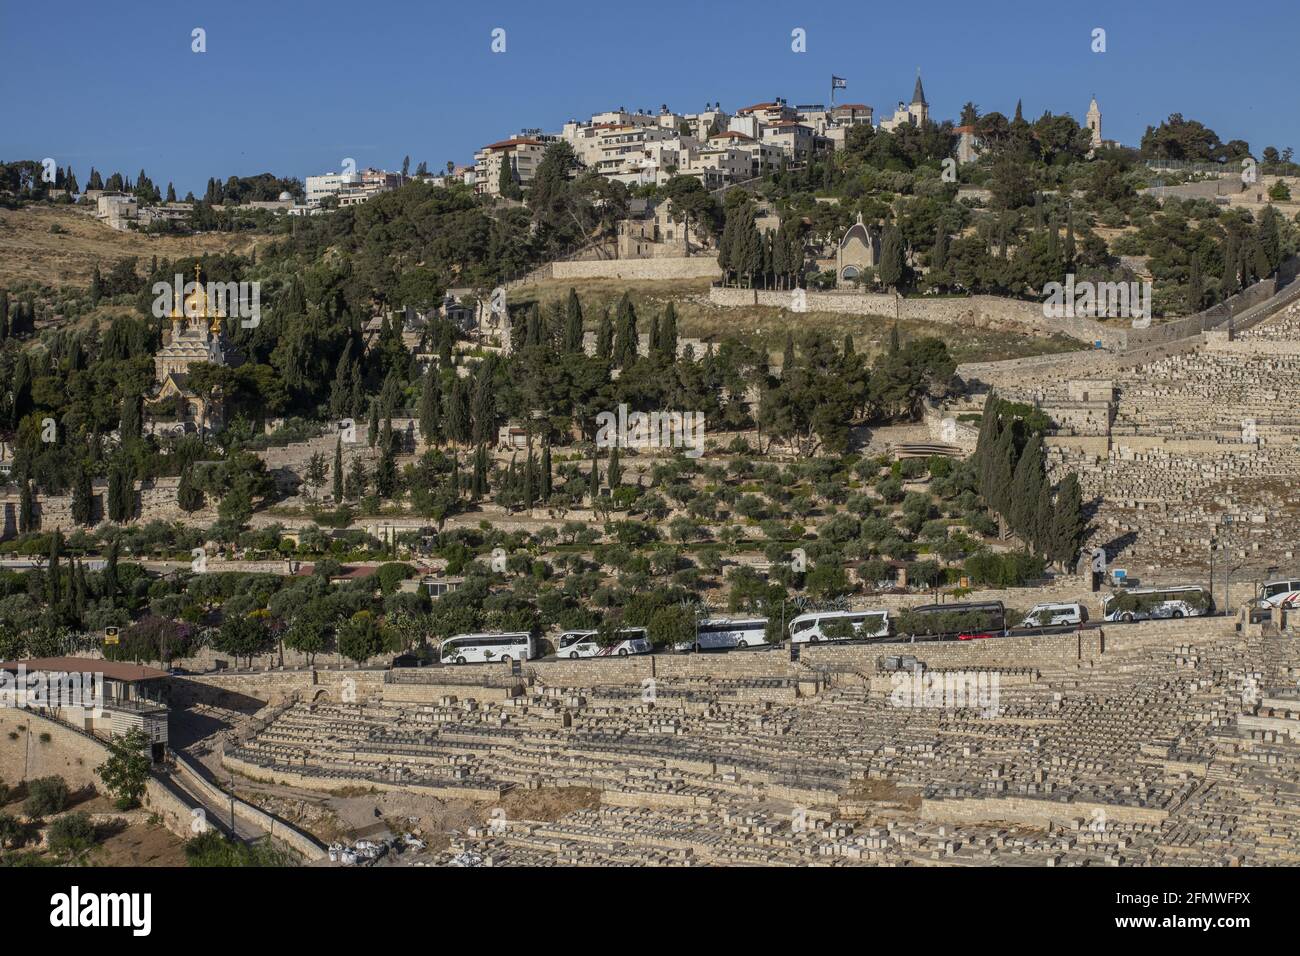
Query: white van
{"x": 1280, "y": 594}
{"x": 1055, "y": 615}
{"x": 576, "y": 644}
{"x": 812, "y": 628}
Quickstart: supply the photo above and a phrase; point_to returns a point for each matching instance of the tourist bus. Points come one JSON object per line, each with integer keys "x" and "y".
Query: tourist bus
{"x": 576, "y": 644}
{"x": 1280, "y": 593}
{"x": 817, "y": 626}
{"x": 485, "y": 648}
{"x": 957, "y": 621}
{"x": 1142, "y": 604}
{"x": 723, "y": 634}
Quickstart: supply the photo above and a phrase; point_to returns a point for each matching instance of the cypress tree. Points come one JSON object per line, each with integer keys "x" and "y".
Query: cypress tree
{"x": 891, "y": 259}
{"x": 668, "y": 333}
{"x": 1069, "y": 524}
{"x": 338, "y": 470}
{"x": 430, "y": 400}
{"x": 110, "y": 574}
{"x": 626, "y": 339}
{"x": 546, "y": 472}
{"x": 1002, "y": 463}
{"x": 573, "y": 323}
{"x": 594, "y": 477}
{"x": 1043, "y": 517}
{"x": 1195, "y": 286}
{"x": 530, "y": 488}
{"x": 605, "y": 338}
{"x": 1026, "y": 482}
{"x": 615, "y": 475}
{"x": 188, "y": 496}
{"x": 130, "y": 424}
{"x": 81, "y": 496}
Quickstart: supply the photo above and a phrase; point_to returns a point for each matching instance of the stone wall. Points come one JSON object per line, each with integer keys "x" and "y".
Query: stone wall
{"x": 692, "y": 267}
{"x": 978, "y": 311}
{"x": 74, "y": 756}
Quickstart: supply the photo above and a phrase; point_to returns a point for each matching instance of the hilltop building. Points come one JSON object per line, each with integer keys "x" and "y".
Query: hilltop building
{"x": 1093, "y": 122}
{"x": 917, "y": 113}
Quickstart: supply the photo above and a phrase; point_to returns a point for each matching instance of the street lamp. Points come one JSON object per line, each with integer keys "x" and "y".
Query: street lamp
{"x": 1227, "y": 585}
{"x": 1213, "y": 543}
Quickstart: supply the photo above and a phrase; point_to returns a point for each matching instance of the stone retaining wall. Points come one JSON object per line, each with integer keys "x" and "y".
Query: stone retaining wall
{"x": 692, "y": 267}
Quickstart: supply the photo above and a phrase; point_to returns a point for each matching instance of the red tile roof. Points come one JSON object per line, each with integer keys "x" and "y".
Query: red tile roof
{"x": 520, "y": 141}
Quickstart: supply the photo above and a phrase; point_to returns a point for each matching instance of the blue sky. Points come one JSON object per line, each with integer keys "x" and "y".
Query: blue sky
{"x": 293, "y": 88}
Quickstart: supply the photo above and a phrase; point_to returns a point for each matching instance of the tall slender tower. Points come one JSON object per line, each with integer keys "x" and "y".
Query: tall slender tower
{"x": 1094, "y": 122}
{"x": 919, "y": 108}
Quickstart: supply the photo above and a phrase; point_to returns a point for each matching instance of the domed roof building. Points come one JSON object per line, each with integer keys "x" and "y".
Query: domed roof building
{"x": 197, "y": 335}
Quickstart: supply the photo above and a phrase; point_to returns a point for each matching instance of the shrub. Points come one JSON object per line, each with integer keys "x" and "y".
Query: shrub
{"x": 72, "y": 835}
{"x": 45, "y": 796}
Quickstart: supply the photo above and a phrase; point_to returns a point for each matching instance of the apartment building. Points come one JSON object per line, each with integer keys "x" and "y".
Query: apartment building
{"x": 522, "y": 153}
{"x": 793, "y": 138}
{"x": 367, "y": 184}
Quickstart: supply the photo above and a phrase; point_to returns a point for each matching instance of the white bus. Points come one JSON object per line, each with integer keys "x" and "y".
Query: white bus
{"x": 1142, "y": 604}
{"x": 484, "y": 648}
{"x": 575, "y": 644}
{"x": 722, "y": 634}
{"x": 1280, "y": 594}
{"x": 815, "y": 626}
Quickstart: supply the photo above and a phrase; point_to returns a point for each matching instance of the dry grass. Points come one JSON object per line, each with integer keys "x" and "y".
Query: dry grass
{"x": 765, "y": 327}
{"x": 30, "y": 251}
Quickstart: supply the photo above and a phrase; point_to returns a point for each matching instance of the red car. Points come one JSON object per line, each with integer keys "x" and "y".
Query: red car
{"x": 976, "y": 637}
